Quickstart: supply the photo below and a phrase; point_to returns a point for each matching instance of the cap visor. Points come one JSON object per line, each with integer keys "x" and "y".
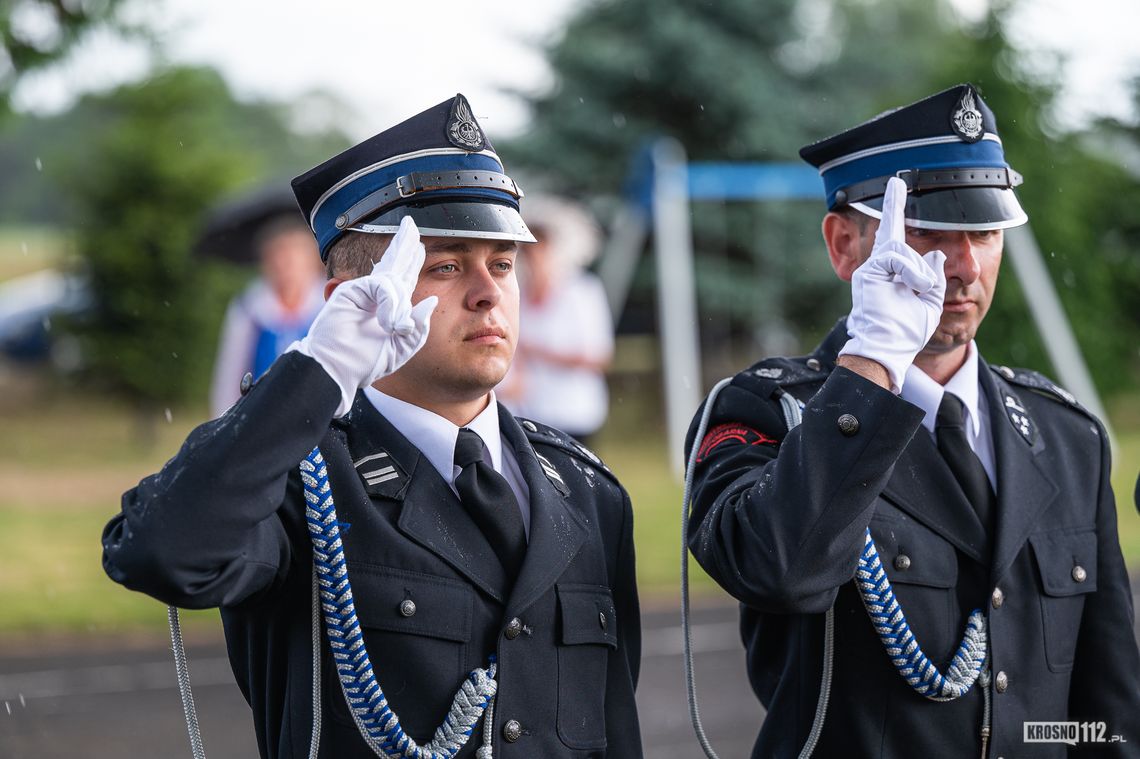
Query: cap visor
{"x": 972, "y": 208}
{"x": 481, "y": 221}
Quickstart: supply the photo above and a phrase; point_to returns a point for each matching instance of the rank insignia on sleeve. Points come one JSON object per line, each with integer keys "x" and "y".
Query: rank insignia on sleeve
{"x": 734, "y": 433}
{"x": 463, "y": 131}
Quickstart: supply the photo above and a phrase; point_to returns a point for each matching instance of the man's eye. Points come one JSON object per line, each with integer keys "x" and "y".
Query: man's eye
{"x": 503, "y": 266}
{"x": 445, "y": 268}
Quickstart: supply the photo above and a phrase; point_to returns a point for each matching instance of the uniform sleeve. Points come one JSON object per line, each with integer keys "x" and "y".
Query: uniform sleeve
{"x": 623, "y": 736}
{"x": 1106, "y": 671}
{"x": 778, "y": 517}
{"x": 205, "y": 530}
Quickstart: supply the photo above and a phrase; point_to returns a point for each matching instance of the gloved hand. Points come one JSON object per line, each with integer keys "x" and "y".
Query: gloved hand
{"x": 896, "y": 295}
{"x": 369, "y": 328}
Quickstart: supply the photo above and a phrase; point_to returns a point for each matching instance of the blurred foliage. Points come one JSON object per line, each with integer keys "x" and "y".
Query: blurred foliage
{"x": 741, "y": 80}
{"x": 159, "y": 162}
{"x": 154, "y": 156}
{"x": 36, "y": 33}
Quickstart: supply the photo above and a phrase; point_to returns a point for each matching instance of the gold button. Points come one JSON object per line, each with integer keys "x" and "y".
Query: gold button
{"x": 902, "y": 562}
{"x": 1079, "y": 573}
{"x": 514, "y": 628}
{"x": 1001, "y": 682}
{"x": 408, "y": 607}
{"x": 997, "y": 598}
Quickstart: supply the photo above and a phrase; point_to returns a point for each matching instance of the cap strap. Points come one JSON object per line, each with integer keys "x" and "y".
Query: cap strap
{"x": 424, "y": 181}
{"x": 922, "y": 180}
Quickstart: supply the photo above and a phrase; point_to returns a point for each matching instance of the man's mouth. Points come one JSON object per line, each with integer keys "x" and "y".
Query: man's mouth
{"x": 487, "y": 335}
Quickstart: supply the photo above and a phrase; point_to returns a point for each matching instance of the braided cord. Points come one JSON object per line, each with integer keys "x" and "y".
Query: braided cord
{"x": 912, "y": 664}
{"x": 378, "y": 724}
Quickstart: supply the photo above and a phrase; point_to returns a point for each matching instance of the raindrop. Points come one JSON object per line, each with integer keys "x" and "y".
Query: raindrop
{"x": 8, "y": 706}
{"x": 172, "y": 353}
{"x": 169, "y": 417}
{"x": 580, "y": 100}
{"x": 619, "y": 120}
{"x": 166, "y": 303}
{"x": 23, "y": 703}
{"x": 701, "y": 106}
{"x": 47, "y": 324}
{"x": 39, "y": 164}
{"x": 24, "y": 248}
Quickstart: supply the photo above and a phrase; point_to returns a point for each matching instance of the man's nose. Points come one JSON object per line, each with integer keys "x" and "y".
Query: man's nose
{"x": 482, "y": 291}
{"x": 961, "y": 258}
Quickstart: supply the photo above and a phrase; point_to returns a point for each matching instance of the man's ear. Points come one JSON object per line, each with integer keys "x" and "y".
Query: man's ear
{"x": 844, "y": 238}
{"x": 331, "y": 285}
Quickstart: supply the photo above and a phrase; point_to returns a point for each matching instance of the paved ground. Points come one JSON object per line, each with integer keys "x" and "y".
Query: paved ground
{"x": 110, "y": 703}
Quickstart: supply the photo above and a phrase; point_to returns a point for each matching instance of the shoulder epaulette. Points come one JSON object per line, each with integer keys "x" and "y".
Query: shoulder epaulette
{"x": 782, "y": 372}
{"x": 541, "y": 434}
{"x": 1040, "y": 384}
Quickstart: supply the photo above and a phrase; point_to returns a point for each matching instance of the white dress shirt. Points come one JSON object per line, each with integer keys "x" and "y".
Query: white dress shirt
{"x": 919, "y": 389}
{"x": 436, "y": 436}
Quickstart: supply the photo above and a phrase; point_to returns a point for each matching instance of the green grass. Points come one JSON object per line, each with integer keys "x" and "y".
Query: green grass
{"x": 69, "y": 458}
{"x": 27, "y": 249}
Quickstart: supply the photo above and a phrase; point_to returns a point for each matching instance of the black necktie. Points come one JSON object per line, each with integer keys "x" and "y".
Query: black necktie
{"x": 963, "y": 462}
{"x": 490, "y": 502}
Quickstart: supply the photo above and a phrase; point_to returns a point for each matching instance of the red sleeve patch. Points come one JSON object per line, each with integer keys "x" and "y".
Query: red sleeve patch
{"x": 731, "y": 432}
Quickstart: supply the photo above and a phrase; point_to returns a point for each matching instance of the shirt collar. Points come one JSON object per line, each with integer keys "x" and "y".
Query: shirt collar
{"x": 919, "y": 389}
{"x": 435, "y": 436}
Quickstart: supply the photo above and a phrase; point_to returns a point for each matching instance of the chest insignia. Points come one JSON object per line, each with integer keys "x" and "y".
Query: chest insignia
{"x": 1019, "y": 418}
{"x": 380, "y": 473}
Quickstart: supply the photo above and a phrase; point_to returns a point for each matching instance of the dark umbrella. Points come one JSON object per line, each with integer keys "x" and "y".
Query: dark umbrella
{"x": 231, "y": 228}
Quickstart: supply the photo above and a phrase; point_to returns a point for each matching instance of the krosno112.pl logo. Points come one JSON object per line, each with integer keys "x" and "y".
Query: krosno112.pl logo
{"x": 1071, "y": 733}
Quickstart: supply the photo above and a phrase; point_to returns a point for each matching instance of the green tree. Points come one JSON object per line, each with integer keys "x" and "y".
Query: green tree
{"x": 165, "y": 150}
{"x": 36, "y": 33}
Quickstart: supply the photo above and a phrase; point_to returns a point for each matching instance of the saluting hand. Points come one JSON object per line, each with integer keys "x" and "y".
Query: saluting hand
{"x": 369, "y": 328}
{"x": 896, "y": 294}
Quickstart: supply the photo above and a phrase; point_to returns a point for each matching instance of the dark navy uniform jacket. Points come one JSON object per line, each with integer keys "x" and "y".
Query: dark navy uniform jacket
{"x": 779, "y": 517}
{"x": 223, "y": 525}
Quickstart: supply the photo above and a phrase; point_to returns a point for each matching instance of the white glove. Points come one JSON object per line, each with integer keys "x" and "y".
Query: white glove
{"x": 896, "y": 295}
{"x": 369, "y": 328}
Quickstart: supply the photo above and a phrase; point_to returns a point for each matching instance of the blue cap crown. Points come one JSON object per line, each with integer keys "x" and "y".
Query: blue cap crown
{"x": 945, "y": 147}
{"x": 438, "y": 167}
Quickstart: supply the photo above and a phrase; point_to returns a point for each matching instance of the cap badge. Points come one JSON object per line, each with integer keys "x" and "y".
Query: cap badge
{"x": 967, "y": 119}
{"x": 462, "y": 129}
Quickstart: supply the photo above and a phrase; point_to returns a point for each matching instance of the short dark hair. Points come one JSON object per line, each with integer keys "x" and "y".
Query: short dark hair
{"x": 355, "y": 253}
{"x": 855, "y": 216}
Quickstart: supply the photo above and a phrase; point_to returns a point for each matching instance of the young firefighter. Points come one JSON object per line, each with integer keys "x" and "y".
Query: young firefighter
{"x": 485, "y": 555}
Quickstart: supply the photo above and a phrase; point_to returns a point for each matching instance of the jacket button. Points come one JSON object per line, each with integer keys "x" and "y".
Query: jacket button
{"x": 512, "y": 731}
{"x": 848, "y": 424}
{"x": 408, "y": 607}
{"x": 514, "y": 629}
{"x": 1079, "y": 573}
{"x": 246, "y": 383}
{"x": 1001, "y": 682}
{"x": 602, "y": 619}
{"x": 997, "y": 598}
{"x": 813, "y": 364}
{"x": 902, "y": 562}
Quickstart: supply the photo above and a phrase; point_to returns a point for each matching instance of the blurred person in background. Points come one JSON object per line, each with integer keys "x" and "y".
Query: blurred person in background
{"x": 567, "y": 342}
{"x": 492, "y": 609}
{"x": 275, "y": 310}
{"x": 929, "y": 561}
